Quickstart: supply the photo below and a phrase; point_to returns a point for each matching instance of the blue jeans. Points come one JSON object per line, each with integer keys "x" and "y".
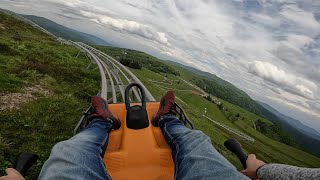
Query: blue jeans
{"x": 193, "y": 154}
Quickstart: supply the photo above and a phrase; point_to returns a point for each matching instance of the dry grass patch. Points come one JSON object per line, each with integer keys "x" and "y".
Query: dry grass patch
{"x": 3, "y": 27}
{"x": 13, "y": 101}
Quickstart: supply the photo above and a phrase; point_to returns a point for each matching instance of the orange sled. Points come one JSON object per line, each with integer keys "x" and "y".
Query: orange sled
{"x": 137, "y": 150}
{"x": 138, "y": 153}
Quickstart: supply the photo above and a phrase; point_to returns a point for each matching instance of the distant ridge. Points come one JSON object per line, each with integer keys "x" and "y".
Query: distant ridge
{"x": 66, "y": 33}
{"x": 293, "y": 122}
{"x": 306, "y": 138}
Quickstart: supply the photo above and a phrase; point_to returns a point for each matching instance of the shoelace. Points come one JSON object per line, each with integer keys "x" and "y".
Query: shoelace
{"x": 182, "y": 115}
{"x": 172, "y": 108}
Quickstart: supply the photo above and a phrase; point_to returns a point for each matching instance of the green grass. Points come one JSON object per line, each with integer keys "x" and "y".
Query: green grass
{"x": 29, "y": 57}
{"x": 38, "y": 127}
{"x": 265, "y": 148}
{"x": 137, "y": 59}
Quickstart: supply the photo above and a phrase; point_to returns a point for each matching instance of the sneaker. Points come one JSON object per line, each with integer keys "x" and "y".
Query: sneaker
{"x": 167, "y": 106}
{"x": 100, "y": 110}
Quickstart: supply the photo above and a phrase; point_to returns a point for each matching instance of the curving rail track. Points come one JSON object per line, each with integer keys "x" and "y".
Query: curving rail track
{"x": 111, "y": 71}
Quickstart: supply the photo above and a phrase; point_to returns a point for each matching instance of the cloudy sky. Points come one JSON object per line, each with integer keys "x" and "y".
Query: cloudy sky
{"x": 268, "y": 48}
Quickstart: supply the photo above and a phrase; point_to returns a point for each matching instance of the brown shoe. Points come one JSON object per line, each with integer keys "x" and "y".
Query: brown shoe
{"x": 100, "y": 110}
{"x": 167, "y": 106}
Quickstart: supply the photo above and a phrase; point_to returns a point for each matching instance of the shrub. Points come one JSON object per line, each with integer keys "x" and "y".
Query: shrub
{"x": 7, "y": 50}
{"x": 130, "y": 63}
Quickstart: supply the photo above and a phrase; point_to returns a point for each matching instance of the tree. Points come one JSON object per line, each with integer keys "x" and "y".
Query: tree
{"x": 220, "y": 106}
{"x": 130, "y": 63}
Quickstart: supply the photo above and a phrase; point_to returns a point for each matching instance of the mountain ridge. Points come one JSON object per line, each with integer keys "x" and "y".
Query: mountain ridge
{"x": 231, "y": 93}
{"x": 294, "y": 122}
{"x": 303, "y": 139}
{"x": 65, "y": 32}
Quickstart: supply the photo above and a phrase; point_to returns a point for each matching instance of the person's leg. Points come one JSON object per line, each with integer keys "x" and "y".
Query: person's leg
{"x": 81, "y": 156}
{"x": 193, "y": 154}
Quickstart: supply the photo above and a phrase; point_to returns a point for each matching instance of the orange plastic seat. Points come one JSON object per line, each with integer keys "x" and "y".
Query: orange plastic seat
{"x": 138, "y": 154}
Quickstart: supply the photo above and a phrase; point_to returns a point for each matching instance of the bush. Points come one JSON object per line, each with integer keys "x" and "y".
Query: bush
{"x": 7, "y": 50}
{"x": 127, "y": 57}
{"x": 9, "y": 82}
{"x": 131, "y": 63}
{"x": 274, "y": 132}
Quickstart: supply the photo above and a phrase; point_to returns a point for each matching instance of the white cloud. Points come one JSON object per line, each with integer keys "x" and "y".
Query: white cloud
{"x": 283, "y": 79}
{"x": 288, "y": 53}
{"x": 299, "y": 41}
{"x": 127, "y": 25}
{"x": 220, "y": 37}
{"x": 315, "y": 105}
{"x": 301, "y": 18}
{"x": 294, "y": 106}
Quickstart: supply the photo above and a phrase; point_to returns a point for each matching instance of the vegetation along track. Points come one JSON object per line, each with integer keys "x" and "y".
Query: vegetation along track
{"x": 114, "y": 70}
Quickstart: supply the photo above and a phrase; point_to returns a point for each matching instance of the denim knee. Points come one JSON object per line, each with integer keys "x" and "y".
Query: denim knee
{"x": 198, "y": 136}
{"x": 61, "y": 148}
{"x": 69, "y": 147}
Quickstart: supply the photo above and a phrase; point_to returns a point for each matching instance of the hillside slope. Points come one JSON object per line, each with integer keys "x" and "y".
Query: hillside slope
{"x": 64, "y": 32}
{"x": 207, "y": 81}
{"x": 60, "y": 83}
{"x": 228, "y": 92}
{"x": 44, "y": 88}
{"x": 293, "y": 122}
{"x": 308, "y": 138}
{"x": 235, "y": 117}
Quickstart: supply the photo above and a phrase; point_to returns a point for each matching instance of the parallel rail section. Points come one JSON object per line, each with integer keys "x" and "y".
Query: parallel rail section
{"x": 104, "y": 67}
{"x": 134, "y": 77}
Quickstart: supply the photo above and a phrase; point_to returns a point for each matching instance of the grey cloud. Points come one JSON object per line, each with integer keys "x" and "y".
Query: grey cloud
{"x": 288, "y": 53}
{"x": 275, "y": 90}
{"x": 283, "y": 79}
{"x": 67, "y": 16}
{"x": 136, "y": 5}
{"x": 314, "y": 105}
{"x": 223, "y": 37}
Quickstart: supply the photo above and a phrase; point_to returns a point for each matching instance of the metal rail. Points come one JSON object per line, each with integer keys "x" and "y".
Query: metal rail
{"x": 135, "y": 92}
{"x": 148, "y": 94}
{"x": 103, "y": 93}
{"x": 240, "y": 134}
{"x": 111, "y": 74}
{"x": 114, "y": 96}
{"x": 119, "y": 82}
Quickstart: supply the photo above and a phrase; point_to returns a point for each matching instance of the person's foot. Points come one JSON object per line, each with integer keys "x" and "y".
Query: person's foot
{"x": 167, "y": 106}
{"x": 100, "y": 109}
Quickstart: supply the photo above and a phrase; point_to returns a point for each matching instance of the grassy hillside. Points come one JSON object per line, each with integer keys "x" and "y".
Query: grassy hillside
{"x": 266, "y": 148}
{"x": 294, "y": 122}
{"x": 307, "y": 137}
{"x": 216, "y": 86}
{"x": 288, "y": 133}
{"x": 64, "y": 32}
{"x": 143, "y": 59}
{"x": 44, "y": 89}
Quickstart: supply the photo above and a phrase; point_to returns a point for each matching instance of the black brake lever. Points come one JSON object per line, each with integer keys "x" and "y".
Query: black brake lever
{"x": 234, "y": 146}
{"x": 24, "y": 162}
